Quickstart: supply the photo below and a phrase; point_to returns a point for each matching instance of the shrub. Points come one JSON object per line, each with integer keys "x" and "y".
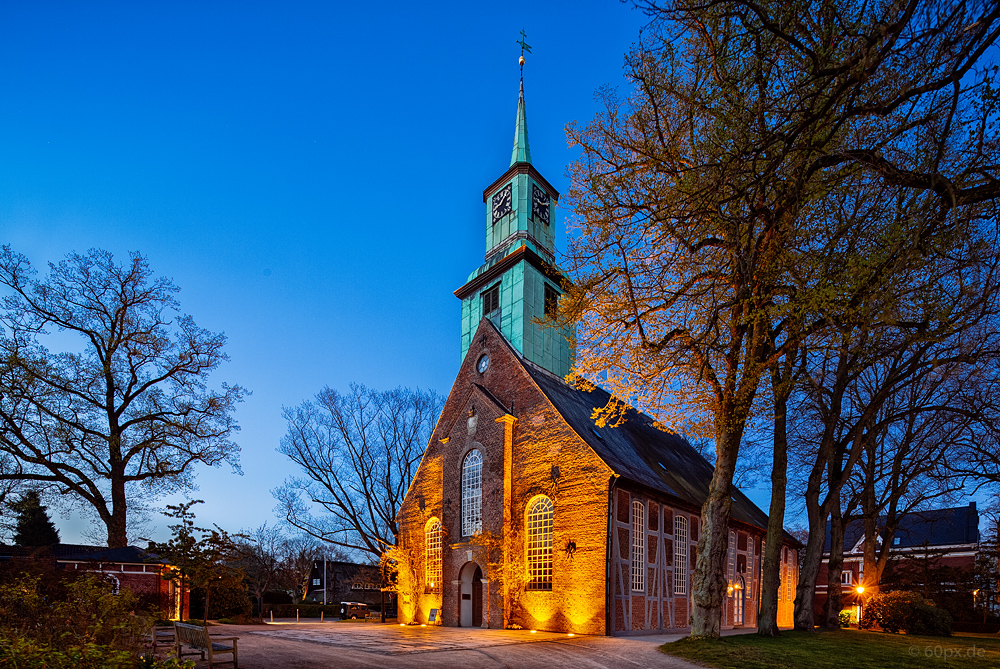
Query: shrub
{"x": 905, "y": 611}
{"x": 80, "y": 612}
{"x": 29, "y": 654}
{"x": 845, "y": 618}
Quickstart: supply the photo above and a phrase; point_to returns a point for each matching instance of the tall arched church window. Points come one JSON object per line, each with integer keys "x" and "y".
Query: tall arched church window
{"x": 539, "y": 543}
{"x": 432, "y": 548}
{"x": 680, "y": 555}
{"x": 638, "y": 547}
{"x": 472, "y": 493}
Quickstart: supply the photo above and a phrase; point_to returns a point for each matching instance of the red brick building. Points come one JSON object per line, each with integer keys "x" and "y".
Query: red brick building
{"x": 129, "y": 567}
{"x": 950, "y": 537}
{"x": 597, "y": 525}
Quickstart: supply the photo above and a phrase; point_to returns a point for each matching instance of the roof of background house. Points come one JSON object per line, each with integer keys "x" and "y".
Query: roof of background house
{"x": 934, "y": 527}
{"x": 129, "y": 554}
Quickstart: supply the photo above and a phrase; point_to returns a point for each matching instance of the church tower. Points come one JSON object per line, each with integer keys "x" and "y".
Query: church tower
{"x": 518, "y": 285}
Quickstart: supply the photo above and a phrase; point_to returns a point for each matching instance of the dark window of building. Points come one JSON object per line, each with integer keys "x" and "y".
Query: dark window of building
{"x": 491, "y": 300}
{"x": 551, "y": 301}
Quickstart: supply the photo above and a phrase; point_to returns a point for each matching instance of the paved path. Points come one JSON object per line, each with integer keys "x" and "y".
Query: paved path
{"x": 349, "y": 644}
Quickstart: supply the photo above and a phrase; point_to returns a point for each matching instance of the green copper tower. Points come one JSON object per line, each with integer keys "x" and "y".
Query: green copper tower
{"x": 518, "y": 285}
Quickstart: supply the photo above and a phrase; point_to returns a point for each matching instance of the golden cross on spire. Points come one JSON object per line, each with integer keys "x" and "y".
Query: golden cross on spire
{"x": 524, "y": 45}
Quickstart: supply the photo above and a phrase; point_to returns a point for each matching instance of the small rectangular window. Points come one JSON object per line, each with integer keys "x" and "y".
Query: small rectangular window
{"x": 732, "y": 557}
{"x": 316, "y": 581}
{"x": 491, "y": 299}
{"x": 845, "y": 577}
{"x": 551, "y": 302}
{"x": 638, "y": 548}
{"x": 680, "y": 555}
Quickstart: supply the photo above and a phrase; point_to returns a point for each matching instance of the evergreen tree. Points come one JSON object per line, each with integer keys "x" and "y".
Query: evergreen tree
{"x": 32, "y": 526}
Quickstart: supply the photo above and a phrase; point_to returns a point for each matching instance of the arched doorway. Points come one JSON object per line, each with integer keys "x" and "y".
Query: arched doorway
{"x": 471, "y": 596}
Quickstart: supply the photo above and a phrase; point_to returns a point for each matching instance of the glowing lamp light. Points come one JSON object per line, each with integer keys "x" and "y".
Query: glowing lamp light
{"x": 570, "y": 634}
{"x": 402, "y": 624}
{"x": 860, "y": 589}
{"x": 534, "y": 631}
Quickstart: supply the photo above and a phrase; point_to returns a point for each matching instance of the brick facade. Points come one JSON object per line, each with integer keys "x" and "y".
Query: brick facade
{"x": 528, "y": 450}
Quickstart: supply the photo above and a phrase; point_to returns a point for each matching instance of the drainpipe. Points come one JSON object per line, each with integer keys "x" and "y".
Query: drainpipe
{"x": 612, "y": 482}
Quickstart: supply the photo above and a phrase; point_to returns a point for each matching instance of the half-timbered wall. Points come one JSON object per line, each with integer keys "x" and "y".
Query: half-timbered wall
{"x": 657, "y": 607}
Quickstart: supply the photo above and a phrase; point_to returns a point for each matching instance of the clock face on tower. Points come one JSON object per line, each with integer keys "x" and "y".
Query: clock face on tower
{"x": 540, "y": 204}
{"x": 502, "y": 203}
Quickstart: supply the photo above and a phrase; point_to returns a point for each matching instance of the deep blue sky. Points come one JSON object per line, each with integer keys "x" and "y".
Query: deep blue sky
{"x": 310, "y": 174}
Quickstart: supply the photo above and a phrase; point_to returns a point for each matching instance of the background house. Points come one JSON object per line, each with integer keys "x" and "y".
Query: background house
{"x": 128, "y": 567}
{"x": 932, "y": 551}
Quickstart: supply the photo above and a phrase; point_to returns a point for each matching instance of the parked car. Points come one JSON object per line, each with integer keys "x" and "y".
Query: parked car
{"x": 353, "y": 610}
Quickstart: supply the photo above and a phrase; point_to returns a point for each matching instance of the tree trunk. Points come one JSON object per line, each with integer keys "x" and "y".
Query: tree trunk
{"x": 709, "y": 575}
{"x": 805, "y": 598}
{"x": 835, "y": 566}
{"x": 117, "y": 525}
{"x": 767, "y": 620}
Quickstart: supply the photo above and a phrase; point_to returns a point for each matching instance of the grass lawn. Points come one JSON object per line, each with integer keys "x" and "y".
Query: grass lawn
{"x": 840, "y": 649}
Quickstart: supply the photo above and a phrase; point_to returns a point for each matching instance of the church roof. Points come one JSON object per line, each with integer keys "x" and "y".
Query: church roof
{"x": 639, "y": 451}
{"x": 521, "y": 153}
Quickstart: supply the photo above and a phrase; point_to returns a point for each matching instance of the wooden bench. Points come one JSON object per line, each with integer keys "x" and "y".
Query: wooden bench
{"x": 199, "y": 639}
{"x": 162, "y": 636}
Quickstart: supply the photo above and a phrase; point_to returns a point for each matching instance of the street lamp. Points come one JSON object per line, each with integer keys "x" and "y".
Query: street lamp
{"x": 861, "y": 591}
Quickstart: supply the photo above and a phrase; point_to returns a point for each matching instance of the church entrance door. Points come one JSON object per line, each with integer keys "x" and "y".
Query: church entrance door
{"x": 471, "y": 596}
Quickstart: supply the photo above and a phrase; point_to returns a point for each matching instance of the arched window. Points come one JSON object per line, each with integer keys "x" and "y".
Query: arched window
{"x": 680, "y": 555}
{"x": 472, "y": 493}
{"x": 638, "y": 547}
{"x": 432, "y": 547}
{"x": 539, "y": 543}
{"x": 732, "y": 557}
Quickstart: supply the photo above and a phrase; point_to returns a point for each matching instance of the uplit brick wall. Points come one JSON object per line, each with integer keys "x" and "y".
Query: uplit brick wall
{"x": 541, "y": 442}
{"x": 548, "y": 458}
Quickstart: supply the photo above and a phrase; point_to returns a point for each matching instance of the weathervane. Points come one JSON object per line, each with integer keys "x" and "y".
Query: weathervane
{"x": 524, "y": 47}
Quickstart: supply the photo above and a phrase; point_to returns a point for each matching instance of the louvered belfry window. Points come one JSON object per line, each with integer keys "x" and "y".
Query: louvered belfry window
{"x": 472, "y": 493}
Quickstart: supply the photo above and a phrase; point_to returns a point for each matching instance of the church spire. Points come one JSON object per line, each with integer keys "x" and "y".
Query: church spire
{"x": 521, "y": 153}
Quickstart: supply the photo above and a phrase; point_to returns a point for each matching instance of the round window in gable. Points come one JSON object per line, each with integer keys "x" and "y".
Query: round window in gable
{"x": 484, "y": 362}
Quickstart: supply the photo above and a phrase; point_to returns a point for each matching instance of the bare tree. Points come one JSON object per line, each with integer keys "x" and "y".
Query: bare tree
{"x": 125, "y": 414}
{"x": 301, "y": 554}
{"x": 696, "y": 194}
{"x": 358, "y": 452}
{"x": 261, "y": 555}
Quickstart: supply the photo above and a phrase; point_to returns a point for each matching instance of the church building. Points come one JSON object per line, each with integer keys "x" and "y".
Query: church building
{"x": 522, "y": 512}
